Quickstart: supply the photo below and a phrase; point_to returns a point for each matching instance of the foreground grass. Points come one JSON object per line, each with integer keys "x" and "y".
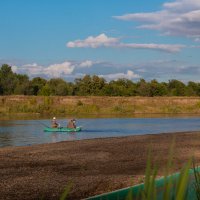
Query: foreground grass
{"x": 76, "y": 105}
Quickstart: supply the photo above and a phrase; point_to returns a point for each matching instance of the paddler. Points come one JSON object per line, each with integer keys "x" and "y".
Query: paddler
{"x": 54, "y": 123}
{"x": 71, "y": 123}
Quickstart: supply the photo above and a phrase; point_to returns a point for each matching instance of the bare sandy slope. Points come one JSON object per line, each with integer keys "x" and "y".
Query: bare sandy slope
{"x": 93, "y": 166}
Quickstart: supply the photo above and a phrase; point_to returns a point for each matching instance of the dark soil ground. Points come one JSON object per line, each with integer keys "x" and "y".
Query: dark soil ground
{"x": 92, "y": 166}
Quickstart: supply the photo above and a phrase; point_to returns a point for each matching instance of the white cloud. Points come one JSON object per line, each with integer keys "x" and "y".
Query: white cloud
{"x": 14, "y": 69}
{"x": 182, "y": 5}
{"x": 197, "y": 40}
{"x": 65, "y": 69}
{"x": 163, "y": 47}
{"x": 195, "y": 46}
{"x": 30, "y": 69}
{"x": 162, "y": 70}
{"x": 94, "y": 42}
{"x": 181, "y": 17}
{"x": 128, "y": 75}
{"x": 86, "y": 64}
{"x": 55, "y": 70}
{"x": 104, "y": 41}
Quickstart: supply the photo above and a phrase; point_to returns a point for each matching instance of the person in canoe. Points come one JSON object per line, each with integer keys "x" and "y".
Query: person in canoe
{"x": 54, "y": 123}
{"x": 71, "y": 123}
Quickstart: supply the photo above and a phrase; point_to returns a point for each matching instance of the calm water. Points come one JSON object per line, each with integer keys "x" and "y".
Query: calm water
{"x": 29, "y": 132}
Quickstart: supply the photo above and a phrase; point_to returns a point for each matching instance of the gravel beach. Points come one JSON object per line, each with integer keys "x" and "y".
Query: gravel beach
{"x": 91, "y": 166}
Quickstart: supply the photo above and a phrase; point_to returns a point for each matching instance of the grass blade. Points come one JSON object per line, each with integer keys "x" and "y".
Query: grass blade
{"x": 66, "y": 192}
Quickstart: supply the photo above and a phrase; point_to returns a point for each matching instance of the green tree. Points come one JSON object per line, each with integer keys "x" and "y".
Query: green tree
{"x": 8, "y": 80}
{"x": 45, "y": 90}
{"x": 121, "y": 87}
{"x": 143, "y": 88}
{"x": 1, "y": 89}
{"x": 97, "y": 85}
{"x": 36, "y": 84}
{"x": 192, "y": 89}
{"x": 176, "y": 88}
{"x": 58, "y": 87}
{"x": 83, "y": 86}
{"x": 22, "y": 84}
{"x": 157, "y": 89}
{"x": 12, "y": 83}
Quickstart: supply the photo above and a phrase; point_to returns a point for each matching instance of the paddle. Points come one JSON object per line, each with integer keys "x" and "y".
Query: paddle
{"x": 60, "y": 127}
{"x": 42, "y": 124}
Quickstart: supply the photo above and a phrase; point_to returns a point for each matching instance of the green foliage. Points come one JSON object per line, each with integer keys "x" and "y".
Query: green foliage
{"x": 12, "y": 83}
{"x": 143, "y": 88}
{"x": 22, "y": 84}
{"x": 197, "y": 181}
{"x": 149, "y": 191}
{"x": 157, "y": 89}
{"x": 120, "y": 87}
{"x": 36, "y": 85}
{"x": 8, "y": 80}
{"x": 66, "y": 192}
{"x": 89, "y": 85}
{"x": 174, "y": 186}
{"x": 58, "y": 87}
{"x": 45, "y": 91}
{"x": 176, "y": 88}
{"x": 183, "y": 181}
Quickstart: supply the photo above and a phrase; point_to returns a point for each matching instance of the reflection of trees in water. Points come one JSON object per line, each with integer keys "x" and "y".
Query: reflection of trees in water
{"x": 57, "y": 137}
{"x": 72, "y": 135}
{"x": 6, "y": 137}
{"x": 14, "y": 133}
{"x": 28, "y": 132}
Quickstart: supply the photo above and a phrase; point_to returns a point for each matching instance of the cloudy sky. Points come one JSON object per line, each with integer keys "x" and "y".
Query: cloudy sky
{"x": 130, "y": 39}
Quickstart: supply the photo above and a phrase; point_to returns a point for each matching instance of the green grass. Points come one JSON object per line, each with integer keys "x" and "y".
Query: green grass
{"x": 173, "y": 189}
{"x": 66, "y": 192}
{"x": 98, "y": 105}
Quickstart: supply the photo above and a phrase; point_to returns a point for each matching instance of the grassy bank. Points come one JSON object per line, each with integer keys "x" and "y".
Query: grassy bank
{"x": 75, "y": 105}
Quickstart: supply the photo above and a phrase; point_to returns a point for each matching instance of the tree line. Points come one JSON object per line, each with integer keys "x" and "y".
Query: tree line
{"x": 19, "y": 84}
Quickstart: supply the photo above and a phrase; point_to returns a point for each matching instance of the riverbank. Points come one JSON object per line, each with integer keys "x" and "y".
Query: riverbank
{"x": 92, "y": 166}
{"x": 37, "y": 106}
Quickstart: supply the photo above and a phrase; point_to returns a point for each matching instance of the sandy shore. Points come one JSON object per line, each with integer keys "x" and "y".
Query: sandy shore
{"x": 93, "y": 166}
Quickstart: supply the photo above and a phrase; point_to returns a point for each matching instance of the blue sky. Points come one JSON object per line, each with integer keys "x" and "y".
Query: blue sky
{"x": 131, "y": 39}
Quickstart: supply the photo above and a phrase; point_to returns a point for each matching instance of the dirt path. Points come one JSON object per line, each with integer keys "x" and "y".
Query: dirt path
{"x": 93, "y": 166}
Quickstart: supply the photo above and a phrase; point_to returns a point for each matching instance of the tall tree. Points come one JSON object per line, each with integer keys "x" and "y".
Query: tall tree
{"x": 36, "y": 85}
{"x": 176, "y": 88}
{"x": 22, "y": 84}
{"x": 58, "y": 87}
{"x": 121, "y": 87}
{"x": 8, "y": 80}
{"x": 143, "y": 88}
{"x": 98, "y": 84}
{"x": 192, "y": 89}
{"x": 157, "y": 89}
{"x": 83, "y": 86}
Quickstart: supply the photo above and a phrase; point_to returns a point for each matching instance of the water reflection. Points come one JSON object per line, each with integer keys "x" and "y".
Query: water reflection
{"x": 29, "y": 132}
{"x": 57, "y": 137}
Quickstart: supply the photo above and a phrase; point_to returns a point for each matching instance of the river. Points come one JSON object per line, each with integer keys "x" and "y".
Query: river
{"x": 30, "y": 132}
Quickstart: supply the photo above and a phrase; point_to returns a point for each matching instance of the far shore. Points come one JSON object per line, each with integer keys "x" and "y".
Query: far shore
{"x": 92, "y": 166}
{"x": 78, "y": 106}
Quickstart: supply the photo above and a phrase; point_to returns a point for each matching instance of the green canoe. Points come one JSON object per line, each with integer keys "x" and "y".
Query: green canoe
{"x": 134, "y": 191}
{"x": 62, "y": 129}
